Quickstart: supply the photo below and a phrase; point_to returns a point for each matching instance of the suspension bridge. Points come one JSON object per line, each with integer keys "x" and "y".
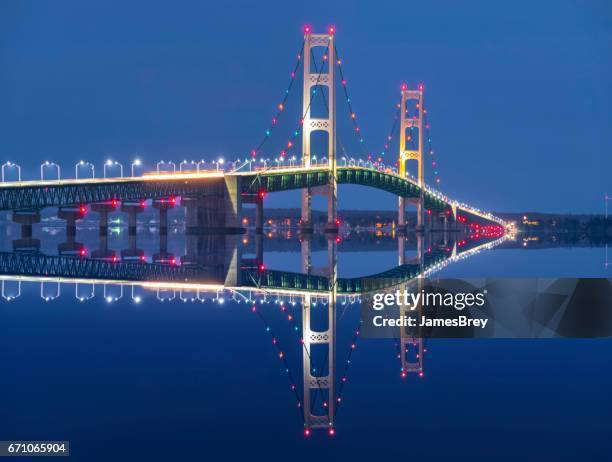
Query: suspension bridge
{"x": 214, "y": 199}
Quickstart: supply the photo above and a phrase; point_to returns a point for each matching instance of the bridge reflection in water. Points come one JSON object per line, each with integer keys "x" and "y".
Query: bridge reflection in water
{"x": 218, "y": 267}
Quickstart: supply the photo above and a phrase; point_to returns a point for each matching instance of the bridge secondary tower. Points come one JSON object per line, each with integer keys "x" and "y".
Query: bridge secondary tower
{"x": 416, "y": 121}
{"x": 313, "y": 81}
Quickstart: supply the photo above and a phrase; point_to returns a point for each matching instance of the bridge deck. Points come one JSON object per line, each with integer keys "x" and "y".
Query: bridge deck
{"x": 54, "y": 193}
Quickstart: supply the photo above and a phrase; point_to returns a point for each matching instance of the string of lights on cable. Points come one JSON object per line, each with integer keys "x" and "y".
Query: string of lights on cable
{"x": 347, "y": 363}
{"x": 391, "y": 134}
{"x": 281, "y": 356}
{"x": 429, "y": 148}
{"x": 280, "y": 108}
{"x": 291, "y": 142}
{"x": 349, "y": 103}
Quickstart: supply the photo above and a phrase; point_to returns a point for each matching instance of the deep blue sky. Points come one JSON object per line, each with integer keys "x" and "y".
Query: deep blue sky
{"x": 519, "y": 96}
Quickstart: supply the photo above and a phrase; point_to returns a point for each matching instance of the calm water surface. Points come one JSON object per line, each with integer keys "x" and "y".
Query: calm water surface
{"x": 202, "y": 380}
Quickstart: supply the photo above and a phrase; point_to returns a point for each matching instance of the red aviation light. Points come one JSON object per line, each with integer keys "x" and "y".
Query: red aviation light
{"x": 261, "y": 194}
{"x": 172, "y": 200}
{"x": 261, "y": 267}
{"x": 83, "y": 252}
{"x": 114, "y": 202}
{"x": 114, "y": 259}
{"x": 421, "y": 87}
{"x": 307, "y": 432}
{"x": 307, "y": 29}
{"x": 143, "y": 204}
{"x": 331, "y": 30}
{"x": 82, "y": 210}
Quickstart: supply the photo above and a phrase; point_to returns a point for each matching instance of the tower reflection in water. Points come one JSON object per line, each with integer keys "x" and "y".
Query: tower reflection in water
{"x": 222, "y": 268}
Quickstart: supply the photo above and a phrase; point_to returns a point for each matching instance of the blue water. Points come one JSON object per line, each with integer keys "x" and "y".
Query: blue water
{"x": 203, "y": 381}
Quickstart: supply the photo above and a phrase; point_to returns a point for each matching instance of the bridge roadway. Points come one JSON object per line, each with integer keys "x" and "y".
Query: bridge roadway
{"x": 36, "y": 195}
{"x": 37, "y": 267}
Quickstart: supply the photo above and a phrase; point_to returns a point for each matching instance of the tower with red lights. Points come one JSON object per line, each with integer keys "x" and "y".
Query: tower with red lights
{"x": 407, "y": 122}
{"x": 313, "y": 80}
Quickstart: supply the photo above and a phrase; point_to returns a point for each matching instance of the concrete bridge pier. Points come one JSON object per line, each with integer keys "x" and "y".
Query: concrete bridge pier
{"x": 433, "y": 226}
{"x": 132, "y": 252}
{"x": 217, "y": 257}
{"x": 333, "y": 223}
{"x": 163, "y": 256}
{"x": 401, "y": 249}
{"x": 430, "y": 220}
{"x": 256, "y": 262}
{"x": 306, "y": 226}
{"x": 163, "y": 205}
{"x": 217, "y": 210}
{"x": 191, "y": 213}
{"x": 163, "y": 220}
{"x": 420, "y": 206}
{"x": 439, "y": 221}
{"x": 103, "y": 252}
{"x": 306, "y": 254}
{"x": 163, "y": 243}
{"x": 193, "y": 250}
{"x": 259, "y": 249}
{"x": 258, "y": 201}
{"x": 446, "y": 226}
{"x": 418, "y": 258}
{"x": 259, "y": 215}
{"x": 401, "y": 214}
{"x": 332, "y": 257}
{"x": 132, "y": 209}
{"x": 71, "y": 215}
{"x": 436, "y": 221}
{"x": 26, "y": 218}
{"x": 209, "y": 215}
{"x": 103, "y": 209}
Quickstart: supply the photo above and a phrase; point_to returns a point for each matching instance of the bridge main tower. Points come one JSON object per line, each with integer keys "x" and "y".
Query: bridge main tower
{"x": 313, "y": 81}
{"x": 405, "y": 154}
